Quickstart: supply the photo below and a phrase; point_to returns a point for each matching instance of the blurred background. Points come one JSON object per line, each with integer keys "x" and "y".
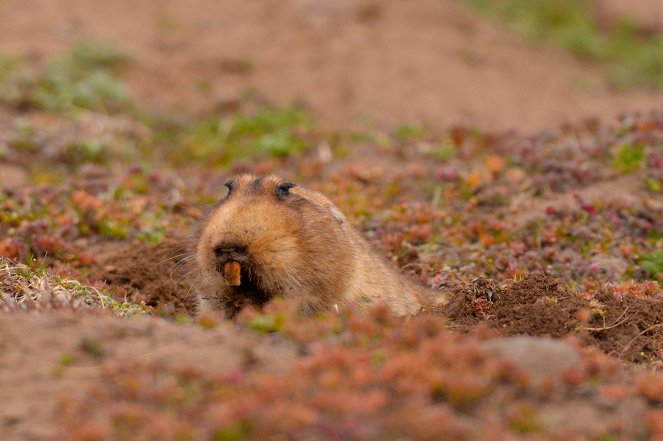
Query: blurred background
{"x": 494, "y": 65}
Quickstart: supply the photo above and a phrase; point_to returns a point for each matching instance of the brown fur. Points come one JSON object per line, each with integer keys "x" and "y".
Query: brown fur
{"x": 296, "y": 245}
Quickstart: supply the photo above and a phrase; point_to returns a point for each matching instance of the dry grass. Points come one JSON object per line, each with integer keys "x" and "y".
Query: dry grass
{"x": 26, "y": 289}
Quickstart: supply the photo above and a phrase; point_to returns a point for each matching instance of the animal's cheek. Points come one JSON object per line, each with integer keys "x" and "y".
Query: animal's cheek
{"x": 277, "y": 254}
{"x": 204, "y": 256}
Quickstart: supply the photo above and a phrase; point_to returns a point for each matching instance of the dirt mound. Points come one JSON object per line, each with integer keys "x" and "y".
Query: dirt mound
{"x": 628, "y": 327}
{"x": 154, "y": 274}
{"x": 537, "y": 305}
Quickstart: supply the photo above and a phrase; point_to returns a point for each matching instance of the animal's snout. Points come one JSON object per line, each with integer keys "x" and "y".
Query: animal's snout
{"x": 227, "y": 253}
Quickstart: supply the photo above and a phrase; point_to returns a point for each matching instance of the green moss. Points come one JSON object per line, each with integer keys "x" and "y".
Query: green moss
{"x": 11, "y": 79}
{"x": 654, "y": 185}
{"x": 113, "y": 229}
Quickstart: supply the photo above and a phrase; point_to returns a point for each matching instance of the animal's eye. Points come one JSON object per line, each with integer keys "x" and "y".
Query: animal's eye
{"x": 230, "y": 185}
{"x": 283, "y": 190}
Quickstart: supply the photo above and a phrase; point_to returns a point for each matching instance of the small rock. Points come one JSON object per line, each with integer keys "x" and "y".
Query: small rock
{"x": 612, "y": 267}
{"x": 540, "y": 357}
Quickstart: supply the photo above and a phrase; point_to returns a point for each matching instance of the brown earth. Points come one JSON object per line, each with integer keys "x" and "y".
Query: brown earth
{"x": 389, "y": 62}
{"x": 539, "y": 305}
{"x": 66, "y": 352}
{"x": 351, "y": 62}
{"x": 629, "y": 328}
{"x": 647, "y": 13}
{"x": 161, "y": 284}
{"x": 72, "y": 356}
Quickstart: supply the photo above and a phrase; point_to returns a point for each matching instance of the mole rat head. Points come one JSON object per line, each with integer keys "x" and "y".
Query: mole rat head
{"x": 262, "y": 239}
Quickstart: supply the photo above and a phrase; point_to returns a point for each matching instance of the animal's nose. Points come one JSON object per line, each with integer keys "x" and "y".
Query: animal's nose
{"x": 226, "y": 253}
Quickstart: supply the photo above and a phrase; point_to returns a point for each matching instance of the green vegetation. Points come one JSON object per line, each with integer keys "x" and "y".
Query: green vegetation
{"x": 10, "y": 78}
{"x": 265, "y": 132}
{"x": 93, "y": 347}
{"x": 628, "y": 158}
{"x": 408, "y": 131}
{"x": 267, "y": 324}
{"x": 654, "y": 185}
{"x": 458, "y": 211}
{"x": 85, "y": 77}
{"x": 653, "y": 263}
{"x": 631, "y": 57}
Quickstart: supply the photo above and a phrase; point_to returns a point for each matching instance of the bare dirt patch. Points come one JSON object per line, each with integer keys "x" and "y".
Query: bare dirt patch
{"x": 647, "y": 13}
{"x": 351, "y": 62}
{"x": 44, "y": 357}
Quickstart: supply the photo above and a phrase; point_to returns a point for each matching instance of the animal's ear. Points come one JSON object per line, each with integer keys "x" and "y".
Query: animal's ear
{"x": 336, "y": 214}
{"x": 321, "y": 201}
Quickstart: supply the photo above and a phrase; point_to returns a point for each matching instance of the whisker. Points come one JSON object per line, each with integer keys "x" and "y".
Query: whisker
{"x": 183, "y": 262}
{"x": 191, "y": 286}
{"x": 175, "y": 257}
{"x": 185, "y": 275}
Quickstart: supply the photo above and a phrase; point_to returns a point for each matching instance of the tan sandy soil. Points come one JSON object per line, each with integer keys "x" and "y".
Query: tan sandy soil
{"x": 33, "y": 347}
{"x": 352, "y": 62}
{"x": 647, "y": 13}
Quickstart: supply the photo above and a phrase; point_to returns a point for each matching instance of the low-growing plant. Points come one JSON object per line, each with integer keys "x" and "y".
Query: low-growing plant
{"x": 631, "y": 57}
{"x": 93, "y": 347}
{"x": 84, "y": 77}
{"x": 628, "y": 158}
{"x": 266, "y": 132}
{"x": 653, "y": 263}
{"x": 10, "y": 78}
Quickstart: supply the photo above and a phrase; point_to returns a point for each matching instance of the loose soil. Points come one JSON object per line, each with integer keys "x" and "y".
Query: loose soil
{"x": 539, "y": 305}
{"x": 154, "y": 275}
{"x": 628, "y": 327}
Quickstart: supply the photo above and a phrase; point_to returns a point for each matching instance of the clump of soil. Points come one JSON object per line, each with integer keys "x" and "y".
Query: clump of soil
{"x": 629, "y": 326}
{"x": 470, "y": 304}
{"x": 537, "y": 305}
{"x": 155, "y": 274}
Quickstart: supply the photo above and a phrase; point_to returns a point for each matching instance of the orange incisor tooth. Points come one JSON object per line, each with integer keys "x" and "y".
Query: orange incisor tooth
{"x": 231, "y": 272}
